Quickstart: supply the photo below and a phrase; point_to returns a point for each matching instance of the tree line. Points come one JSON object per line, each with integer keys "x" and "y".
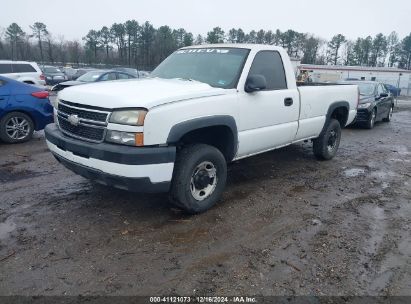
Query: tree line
{"x": 143, "y": 46}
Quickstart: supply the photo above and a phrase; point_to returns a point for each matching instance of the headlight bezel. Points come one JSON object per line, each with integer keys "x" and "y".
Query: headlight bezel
{"x": 55, "y": 102}
{"x": 128, "y": 117}
{"x": 364, "y": 105}
{"x": 135, "y": 139}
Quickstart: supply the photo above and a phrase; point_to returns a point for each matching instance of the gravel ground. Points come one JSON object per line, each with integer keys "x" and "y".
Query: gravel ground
{"x": 287, "y": 225}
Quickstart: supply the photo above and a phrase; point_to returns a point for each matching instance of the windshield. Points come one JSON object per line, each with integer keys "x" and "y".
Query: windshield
{"x": 218, "y": 67}
{"x": 366, "y": 88}
{"x": 51, "y": 70}
{"x": 90, "y": 76}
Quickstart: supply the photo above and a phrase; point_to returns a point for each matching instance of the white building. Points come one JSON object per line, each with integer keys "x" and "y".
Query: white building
{"x": 329, "y": 73}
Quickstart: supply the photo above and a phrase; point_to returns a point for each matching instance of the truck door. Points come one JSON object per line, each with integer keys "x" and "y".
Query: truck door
{"x": 268, "y": 118}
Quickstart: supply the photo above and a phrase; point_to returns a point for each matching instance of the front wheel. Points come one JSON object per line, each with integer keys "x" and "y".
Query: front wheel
{"x": 199, "y": 178}
{"x": 16, "y": 127}
{"x": 325, "y": 147}
{"x": 389, "y": 115}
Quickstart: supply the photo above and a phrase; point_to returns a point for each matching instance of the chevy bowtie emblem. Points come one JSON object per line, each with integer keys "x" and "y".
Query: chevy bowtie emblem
{"x": 74, "y": 120}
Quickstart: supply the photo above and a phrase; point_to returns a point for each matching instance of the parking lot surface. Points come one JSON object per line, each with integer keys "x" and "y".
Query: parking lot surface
{"x": 287, "y": 225}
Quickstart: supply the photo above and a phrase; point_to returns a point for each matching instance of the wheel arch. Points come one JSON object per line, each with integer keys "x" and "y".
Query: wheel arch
{"x": 219, "y": 131}
{"x": 338, "y": 110}
{"x": 30, "y": 115}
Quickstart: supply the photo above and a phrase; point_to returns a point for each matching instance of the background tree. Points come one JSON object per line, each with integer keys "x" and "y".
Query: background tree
{"x": 405, "y": 61}
{"x": 40, "y": 32}
{"x": 143, "y": 46}
{"x": 199, "y": 40}
{"x": 260, "y": 37}
{"x": 188, "y": 39}
{"x": 147, "y": 38}
{"x": 215, "y": 36}
{"x": 393, "y": 47}
{"x": 92, "y": 40}
{"x": 105, "y": 41}
{"x": 165, "y": 43}
{"x": 118, "y": 33}
{"x": 310, "y": 50}
{"x": 15, "y": 35}
{"x": 269, "y": 37}
{"x": 50, "y": 49}
{"x": 232, "y": 36}
{"x": 334, "y": 47}
{"x": 379, "y": 50}
{"x": 74, "y": 51}
{"x": 132, "y": 31}
{"x": 348, "y": 53}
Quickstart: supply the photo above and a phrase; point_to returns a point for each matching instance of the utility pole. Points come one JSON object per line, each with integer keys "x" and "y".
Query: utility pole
{"x": 398, "y": 86}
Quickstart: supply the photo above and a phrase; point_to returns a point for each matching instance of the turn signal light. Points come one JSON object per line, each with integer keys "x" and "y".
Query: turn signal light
{"x": 139, "y": 139}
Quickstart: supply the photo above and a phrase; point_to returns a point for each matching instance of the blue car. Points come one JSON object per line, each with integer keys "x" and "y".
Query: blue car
{"x": 23, "y": 109}
{"x": 393, "y": 90}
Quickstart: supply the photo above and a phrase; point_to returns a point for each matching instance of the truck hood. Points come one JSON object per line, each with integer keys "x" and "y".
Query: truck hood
{"x": 146, "y": 93}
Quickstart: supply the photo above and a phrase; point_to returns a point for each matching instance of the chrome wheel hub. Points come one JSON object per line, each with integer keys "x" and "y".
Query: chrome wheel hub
{"x": 332, "y": 141}
{"x": 17, "y": 128}
{"x": 203, "y": 180}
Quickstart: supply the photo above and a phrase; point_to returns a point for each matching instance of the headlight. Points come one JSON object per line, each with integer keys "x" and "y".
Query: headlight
{"x": 125, "y": 138}
{"x": 128, "y": 117}
{"x": 364, "y": 105}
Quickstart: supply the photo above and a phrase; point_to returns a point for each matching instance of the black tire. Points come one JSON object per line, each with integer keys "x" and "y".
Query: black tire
{"x": 7, "y": 120}
{"x": 371, "y": 121}
{"x": 389, "y": 115}
{"x": 325, "y": 147}
{"x": 189, "y": 159}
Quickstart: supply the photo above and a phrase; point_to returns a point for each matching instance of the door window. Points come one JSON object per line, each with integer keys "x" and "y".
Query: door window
{"x": 122, "y": 76}
{"x": 23, "y": 68}
{"x": 270, "y": 65}
{"x": 108, "y": 76}
{"x": 5, "y": 68}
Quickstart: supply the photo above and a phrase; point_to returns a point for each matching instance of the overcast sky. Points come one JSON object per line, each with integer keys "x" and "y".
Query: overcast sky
{"x": 324, "y": 18}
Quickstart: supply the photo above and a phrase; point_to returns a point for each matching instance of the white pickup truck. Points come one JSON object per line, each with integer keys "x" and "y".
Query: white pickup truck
{"x": 201, "y": 108}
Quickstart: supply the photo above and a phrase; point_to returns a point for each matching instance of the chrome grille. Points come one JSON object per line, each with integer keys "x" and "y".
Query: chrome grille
{"x": 86, "y": 114}
{"x": 90, "y": 123}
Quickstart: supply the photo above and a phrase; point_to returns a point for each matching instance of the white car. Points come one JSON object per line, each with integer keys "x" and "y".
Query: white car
{"x": 200, "y": 109}
{"x": 23, "y": 71}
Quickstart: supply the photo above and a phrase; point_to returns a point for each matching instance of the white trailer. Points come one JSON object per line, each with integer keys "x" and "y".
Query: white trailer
{"x": 329, "y": 73}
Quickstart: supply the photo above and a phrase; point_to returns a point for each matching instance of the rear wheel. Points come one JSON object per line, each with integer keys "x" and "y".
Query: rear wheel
{"x": 325, "y": 147}
{"x": 371, "y": 121}
{"x": 16, "y": 127}
{"x": 199, "y": 178}
{"x": 389, "y": 115}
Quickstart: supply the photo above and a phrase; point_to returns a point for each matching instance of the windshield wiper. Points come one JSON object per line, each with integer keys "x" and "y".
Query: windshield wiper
{"x": 185, "y": 79}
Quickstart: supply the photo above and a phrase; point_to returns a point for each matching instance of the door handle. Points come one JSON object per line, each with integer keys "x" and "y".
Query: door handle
{"x": 288, "y": 102}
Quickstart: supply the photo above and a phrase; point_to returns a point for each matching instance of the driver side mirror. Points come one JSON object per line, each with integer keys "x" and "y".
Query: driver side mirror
{"x": 383, "y": 95}
{"x": 255, "y": 83}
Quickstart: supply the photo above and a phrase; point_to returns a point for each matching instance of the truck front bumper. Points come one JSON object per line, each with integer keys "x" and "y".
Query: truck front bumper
{"x": 137, "y": 169}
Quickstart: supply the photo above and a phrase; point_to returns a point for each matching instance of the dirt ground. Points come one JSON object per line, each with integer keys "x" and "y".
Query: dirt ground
{"x": 287, "y": 225}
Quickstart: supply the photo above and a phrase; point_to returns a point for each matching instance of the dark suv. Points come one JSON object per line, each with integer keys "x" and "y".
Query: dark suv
{"x": 53, "y": 75}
